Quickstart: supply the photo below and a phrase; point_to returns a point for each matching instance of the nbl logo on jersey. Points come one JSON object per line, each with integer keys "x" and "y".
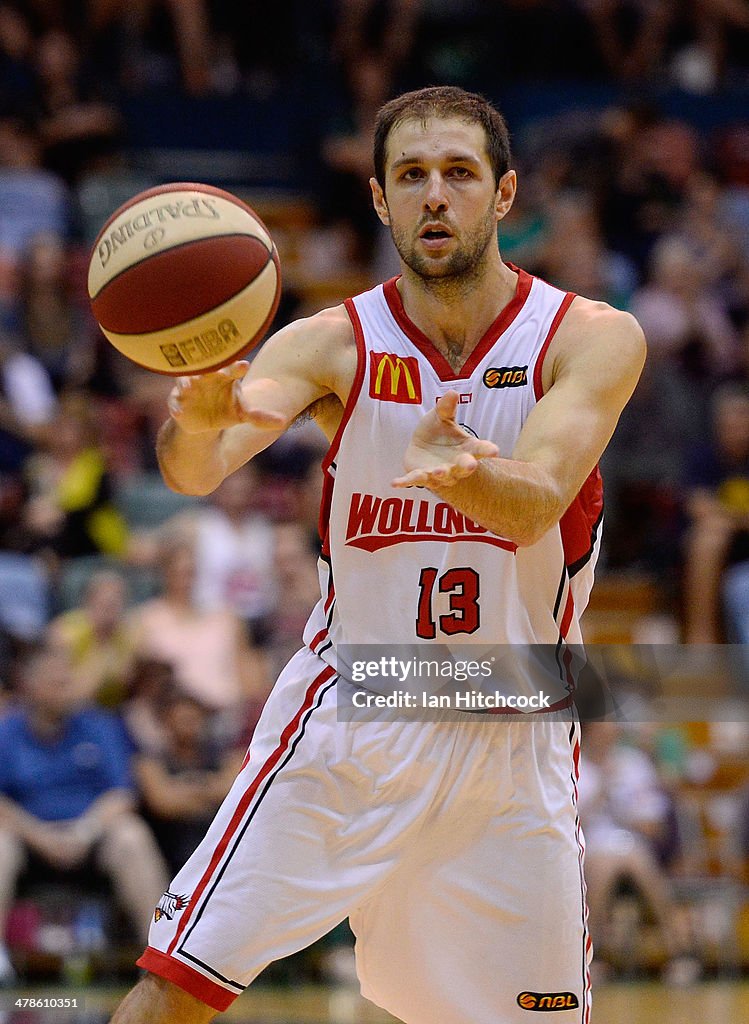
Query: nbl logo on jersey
{"x": 506, "y": 376}
{"x": 394, "y": 378}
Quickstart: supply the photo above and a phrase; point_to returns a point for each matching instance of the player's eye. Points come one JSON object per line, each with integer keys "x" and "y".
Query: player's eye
{"x": 460, "y": 172}
{"x": 412, "y": 174}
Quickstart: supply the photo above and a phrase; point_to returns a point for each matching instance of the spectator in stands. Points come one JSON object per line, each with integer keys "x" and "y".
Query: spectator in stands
{"x": 208, "y": 650}
{"x": 16, "y": 64}
{"x": 148, "y": 686}
{"x": 743, "y": 834}
{"x": 98, "y": 640}
{"x": 626, "y": 815}
{"x": 573, "y": 225}
{"x": 32, "y": 200}
{"x": 351, "y": 230}
{"x": 631, "y": 36}
{"x": 645, "y": 174}
{"x": 645, "y": 466}
{"x": 709, "y": 233}
{"x": 298, "y": 589}
{"x": 183, "y": 784}
{"x": 680, "y": 317}
{"x": 75, "y": 125}
{"x": 55, "y": 330}
{"x": 307, "y": 501}
{"x": 158, "y": 31}
{"x": 234, "y": 550}
{"x": 397, "y": 20}
{"x": 66, "y": 795}
{"x": 715, "y": 42}
{"x": 718, "y": 510}
{"x": 70, "y": 510}
{"x": 27, "y": 403}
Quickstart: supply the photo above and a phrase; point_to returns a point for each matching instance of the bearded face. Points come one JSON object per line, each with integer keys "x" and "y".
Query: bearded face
{"x": 441, "y": 200}
{"x": 466, "y": 248}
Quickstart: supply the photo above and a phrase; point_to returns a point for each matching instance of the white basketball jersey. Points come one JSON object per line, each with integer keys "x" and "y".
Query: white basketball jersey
{"x": 403, "y": 566}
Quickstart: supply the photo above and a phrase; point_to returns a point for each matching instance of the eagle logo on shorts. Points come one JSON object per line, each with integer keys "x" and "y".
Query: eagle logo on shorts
{"x": 169, "y": 905}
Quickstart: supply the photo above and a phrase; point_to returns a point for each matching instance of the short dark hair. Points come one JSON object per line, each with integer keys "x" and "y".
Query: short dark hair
{"x": 444, "y": 101}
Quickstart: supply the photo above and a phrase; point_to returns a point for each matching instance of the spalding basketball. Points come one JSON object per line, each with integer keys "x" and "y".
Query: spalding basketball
{"x": 184, "y": 278}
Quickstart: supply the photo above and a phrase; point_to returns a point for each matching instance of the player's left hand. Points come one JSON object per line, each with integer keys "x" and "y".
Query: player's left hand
{"x": 441, "y": 453}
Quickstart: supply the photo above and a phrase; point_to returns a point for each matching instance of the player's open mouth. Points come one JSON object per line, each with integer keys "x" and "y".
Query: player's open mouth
{"x": 434, "y": 235}
{"x": 434, "y": 231}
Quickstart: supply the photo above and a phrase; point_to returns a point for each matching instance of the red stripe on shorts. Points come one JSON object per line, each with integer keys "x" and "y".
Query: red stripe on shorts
{"x": 317, "y": 638}
{"x": 247, "y": 798}
{"x": 191, "y": 981}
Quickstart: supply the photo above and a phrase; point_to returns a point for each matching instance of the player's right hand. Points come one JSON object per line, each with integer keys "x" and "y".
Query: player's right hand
{"x": 217, "y": 401}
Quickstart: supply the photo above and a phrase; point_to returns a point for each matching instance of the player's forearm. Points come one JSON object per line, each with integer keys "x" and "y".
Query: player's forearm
{"x": 516, "y": 500}
{"x": 190, "y": 463}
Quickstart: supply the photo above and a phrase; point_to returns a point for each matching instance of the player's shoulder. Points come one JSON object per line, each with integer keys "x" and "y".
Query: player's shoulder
{"x": 596, "y": 321}
{"x": 320, "y": 347}
{"x": 330, "y": 327}
{"x": 596, "y": 339}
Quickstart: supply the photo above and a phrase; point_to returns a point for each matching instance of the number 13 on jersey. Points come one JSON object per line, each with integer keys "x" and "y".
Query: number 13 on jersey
{"x": 461, "y": 588}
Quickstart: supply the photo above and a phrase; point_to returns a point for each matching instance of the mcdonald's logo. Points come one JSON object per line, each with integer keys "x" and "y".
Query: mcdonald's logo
{"x": 394, "y": 378}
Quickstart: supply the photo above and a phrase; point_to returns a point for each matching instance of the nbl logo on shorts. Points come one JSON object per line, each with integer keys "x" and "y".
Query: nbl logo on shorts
{"x": 394, "y": 378}
{"x": 506, "y": 376}
{"x": 169, "y": 905}
{"x": 547, "y": 1001}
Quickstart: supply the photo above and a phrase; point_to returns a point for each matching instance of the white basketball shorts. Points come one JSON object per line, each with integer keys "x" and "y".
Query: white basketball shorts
{"x": 454, "y": 848}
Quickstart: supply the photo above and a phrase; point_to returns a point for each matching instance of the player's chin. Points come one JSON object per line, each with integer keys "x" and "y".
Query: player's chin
{"x": 436, "y": 266}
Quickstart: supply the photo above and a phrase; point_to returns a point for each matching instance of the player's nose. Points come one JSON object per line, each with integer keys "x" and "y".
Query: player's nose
{"x": 435, "y": 197}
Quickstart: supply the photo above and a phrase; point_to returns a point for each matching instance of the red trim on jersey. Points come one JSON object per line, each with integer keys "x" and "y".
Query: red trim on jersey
{"x": 569, "y": 608}
{"x": 559, "y": 316}
{"x": 578, "y": 524}
{"x": 247, "y": 797}
{"x": 428, "y": 349}
{"x": 323, "y": 521}
{"x": 191, "y": 981}
{"x": 355, "y": 386}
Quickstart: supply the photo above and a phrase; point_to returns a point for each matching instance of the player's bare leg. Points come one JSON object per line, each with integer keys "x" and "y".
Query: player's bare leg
{"x": 157, "y": 1001}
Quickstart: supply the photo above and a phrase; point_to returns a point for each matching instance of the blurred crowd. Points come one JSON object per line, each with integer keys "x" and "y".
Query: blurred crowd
{"x": 140, "y": 631}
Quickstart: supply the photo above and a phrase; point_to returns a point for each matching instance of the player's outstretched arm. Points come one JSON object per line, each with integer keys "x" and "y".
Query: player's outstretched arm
{"x": 593, "y": 365}
{"x": 218, "y": 421}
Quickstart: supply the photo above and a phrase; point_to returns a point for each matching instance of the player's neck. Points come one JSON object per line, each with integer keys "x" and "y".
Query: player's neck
{"x": 456, "y": 313}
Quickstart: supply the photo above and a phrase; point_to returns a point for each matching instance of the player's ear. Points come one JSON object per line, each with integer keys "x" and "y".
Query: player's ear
{"x": 506, "y": 190}
{"x": 379, "y": 202}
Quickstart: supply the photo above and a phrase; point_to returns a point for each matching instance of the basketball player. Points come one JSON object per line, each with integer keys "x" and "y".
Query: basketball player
{"x": 454, "y": 849}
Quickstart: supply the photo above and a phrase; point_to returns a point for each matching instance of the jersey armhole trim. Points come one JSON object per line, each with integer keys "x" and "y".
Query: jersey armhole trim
{"x": 538, "y": 388}
{"x": 355, "y": 386}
